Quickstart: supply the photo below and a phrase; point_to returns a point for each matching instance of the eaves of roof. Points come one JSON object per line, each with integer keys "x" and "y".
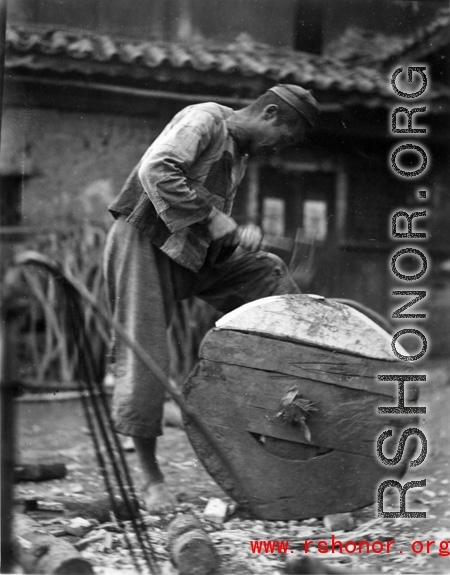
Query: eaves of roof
{"x": 200, "y": 64}
{"x": 427, "y": 40}
{"x": 369, "y": 48}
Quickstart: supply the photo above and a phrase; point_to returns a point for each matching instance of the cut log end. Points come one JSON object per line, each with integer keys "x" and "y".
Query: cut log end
{"x": 191, "y": 548}
{"x": 74, "y": 565}
{"x": 43, "y": 471}
{"x": 40, "y": 552}
{"x": 194, "y": 554}
{"x": 180, "y": 525}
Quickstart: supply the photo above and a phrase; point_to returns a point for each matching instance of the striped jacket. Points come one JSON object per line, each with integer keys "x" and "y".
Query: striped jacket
{"x": 194, "y": 164}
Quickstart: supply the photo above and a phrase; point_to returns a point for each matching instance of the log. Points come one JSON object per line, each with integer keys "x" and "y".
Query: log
{"x": 182, "y": 524}
{"x": 191, "y": 548}
{"x": 41, "y": 553}
{"x": 193, "y": 553}
{"x": 99, "y": 508}
{"x": 39, "y": 471}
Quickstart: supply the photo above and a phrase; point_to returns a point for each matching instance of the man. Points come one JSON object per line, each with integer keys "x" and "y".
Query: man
{"x": 174, "y": 237}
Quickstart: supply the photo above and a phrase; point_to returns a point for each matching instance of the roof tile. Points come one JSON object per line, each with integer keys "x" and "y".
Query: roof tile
{"x": 108, "y": 50}
{"x": 40, "y": 48}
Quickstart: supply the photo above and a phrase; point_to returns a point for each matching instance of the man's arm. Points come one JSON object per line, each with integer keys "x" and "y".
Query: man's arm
{"x": 248, "y": 236}
{"x": 165, "y": 165}
{"x": 163, "y": 175}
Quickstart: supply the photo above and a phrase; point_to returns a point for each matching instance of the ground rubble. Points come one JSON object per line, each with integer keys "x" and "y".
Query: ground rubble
{"x": 60, "y": 429}
{"x": 106, "y": 544}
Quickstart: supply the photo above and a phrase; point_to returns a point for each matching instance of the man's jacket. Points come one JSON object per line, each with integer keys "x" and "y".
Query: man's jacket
{"x": 194, "y": 164}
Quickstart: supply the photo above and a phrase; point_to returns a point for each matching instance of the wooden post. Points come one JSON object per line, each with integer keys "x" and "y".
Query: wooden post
{"x": 7, "y": 340}
{"x": 341, "y": 201}
{"x": 8, "y": 419}
{"x": 2, "y": 53}
{"x": 252, "y": 207}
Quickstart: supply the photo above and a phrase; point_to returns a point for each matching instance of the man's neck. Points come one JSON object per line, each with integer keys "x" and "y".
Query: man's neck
{"x": 241, "y": 136}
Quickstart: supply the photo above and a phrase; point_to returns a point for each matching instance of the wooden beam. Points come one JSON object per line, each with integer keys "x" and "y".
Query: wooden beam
{"x": 285, "y": 357}
{"x": 146, "y": 94}
{"x": 346, "y": 419}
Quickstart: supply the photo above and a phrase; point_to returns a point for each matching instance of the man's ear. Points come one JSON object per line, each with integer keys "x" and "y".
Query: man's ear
{"x": 270, "y": 111}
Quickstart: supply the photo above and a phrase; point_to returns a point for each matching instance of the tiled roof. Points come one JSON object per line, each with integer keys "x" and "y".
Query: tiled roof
{"x": 427, "y": 40}
{"x": 200, "y": 62}
{"x": 366, "y": 47}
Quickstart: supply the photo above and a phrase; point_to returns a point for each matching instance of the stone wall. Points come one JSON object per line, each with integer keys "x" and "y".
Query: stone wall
{"x": 72, "y": 163}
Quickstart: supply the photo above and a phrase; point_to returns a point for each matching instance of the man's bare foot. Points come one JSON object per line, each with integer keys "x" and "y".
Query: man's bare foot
{"x": 158, "y": 499}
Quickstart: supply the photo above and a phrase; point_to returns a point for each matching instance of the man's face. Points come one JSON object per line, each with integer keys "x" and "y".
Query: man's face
{"x": 270, "y": 136}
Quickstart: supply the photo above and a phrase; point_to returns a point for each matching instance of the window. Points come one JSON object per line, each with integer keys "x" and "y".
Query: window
{"x": 294, "y": 199}
{"x": 273, "y": 216}
{"x": 315, "y": 221}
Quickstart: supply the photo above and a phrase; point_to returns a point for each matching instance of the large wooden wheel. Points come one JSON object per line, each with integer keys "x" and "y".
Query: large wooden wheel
{"x": 287, "y": 386}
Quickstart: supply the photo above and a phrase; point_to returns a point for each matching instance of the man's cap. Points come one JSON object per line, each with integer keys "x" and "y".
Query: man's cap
{"x": 300, "y": 99}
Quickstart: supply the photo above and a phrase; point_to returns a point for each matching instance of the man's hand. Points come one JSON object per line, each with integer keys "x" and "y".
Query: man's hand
{"x": 221, "y": 226}
{"x": 250, "y": 237}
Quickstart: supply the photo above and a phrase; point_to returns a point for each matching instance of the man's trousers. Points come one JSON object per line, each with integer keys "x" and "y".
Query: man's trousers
{"x": 142, "y": 286}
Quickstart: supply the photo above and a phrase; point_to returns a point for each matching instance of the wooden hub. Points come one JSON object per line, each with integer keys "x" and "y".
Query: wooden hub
{"x": 295, "y": 463}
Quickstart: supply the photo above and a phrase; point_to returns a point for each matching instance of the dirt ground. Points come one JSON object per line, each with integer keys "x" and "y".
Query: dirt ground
{"x": 59, "y": 428}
